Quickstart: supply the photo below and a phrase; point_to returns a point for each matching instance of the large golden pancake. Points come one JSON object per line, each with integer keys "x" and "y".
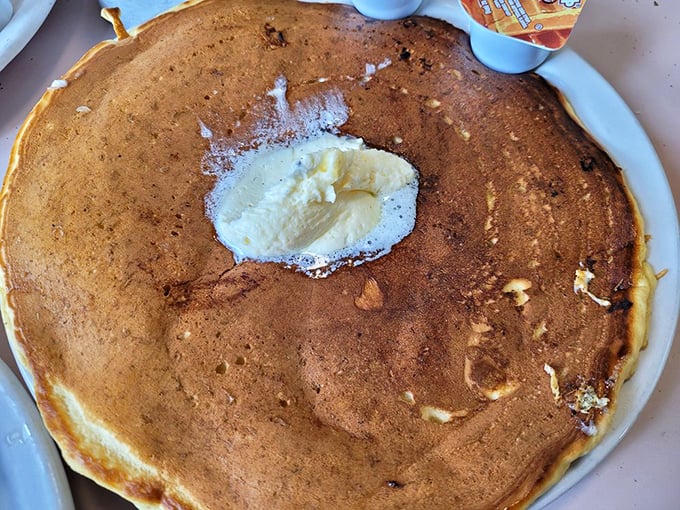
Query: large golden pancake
{"x": 465, "y": 369}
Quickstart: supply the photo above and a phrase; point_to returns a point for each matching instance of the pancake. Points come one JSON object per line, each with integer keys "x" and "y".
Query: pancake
{"x": 467, "y": 368}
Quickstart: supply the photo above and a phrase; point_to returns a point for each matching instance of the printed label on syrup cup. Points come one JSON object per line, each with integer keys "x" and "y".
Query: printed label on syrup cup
{"x": 545, "y": 23}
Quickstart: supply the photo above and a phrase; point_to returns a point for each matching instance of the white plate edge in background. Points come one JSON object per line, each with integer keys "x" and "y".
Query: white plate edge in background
{"x": 28, "y": 16}
{"x": 31, "y": 471}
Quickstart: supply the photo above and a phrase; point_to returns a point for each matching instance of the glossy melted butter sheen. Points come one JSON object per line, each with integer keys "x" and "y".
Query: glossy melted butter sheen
{"x": 318, "y": 200}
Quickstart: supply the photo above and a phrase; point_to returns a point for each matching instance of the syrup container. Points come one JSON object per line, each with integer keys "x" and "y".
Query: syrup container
{"x": 514, "y": 36}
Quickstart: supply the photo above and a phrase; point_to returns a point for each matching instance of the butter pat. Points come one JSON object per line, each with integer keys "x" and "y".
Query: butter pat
{"x": 316, "y": 203}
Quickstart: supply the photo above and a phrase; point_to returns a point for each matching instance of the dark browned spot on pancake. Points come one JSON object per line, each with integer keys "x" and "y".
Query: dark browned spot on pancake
{"x": 587, "y": 164}
{"x": 274, "y": 37}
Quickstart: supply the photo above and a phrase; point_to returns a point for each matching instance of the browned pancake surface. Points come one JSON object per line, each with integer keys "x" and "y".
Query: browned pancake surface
{"x": 254, "y": 386}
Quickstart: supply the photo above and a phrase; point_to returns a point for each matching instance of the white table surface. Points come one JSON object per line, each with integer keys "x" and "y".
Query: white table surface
{"x": 634, "y": 44}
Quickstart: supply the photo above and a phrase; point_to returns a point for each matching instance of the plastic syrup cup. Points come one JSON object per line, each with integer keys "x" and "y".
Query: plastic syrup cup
{"x": 515, "y": 36}
{"x": 387, "y": 9}
{"x": 504, "y": 53}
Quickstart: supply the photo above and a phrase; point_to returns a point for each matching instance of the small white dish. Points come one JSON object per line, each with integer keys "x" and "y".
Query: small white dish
{"x": 25, "y": 21}
{"x": 31, "y": 471}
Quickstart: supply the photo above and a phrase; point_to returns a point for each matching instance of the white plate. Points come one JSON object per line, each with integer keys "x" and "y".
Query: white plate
{"x": 616, "y": 128}
{"x": 31, "y": 471}
{"x": 25, "y": 22}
